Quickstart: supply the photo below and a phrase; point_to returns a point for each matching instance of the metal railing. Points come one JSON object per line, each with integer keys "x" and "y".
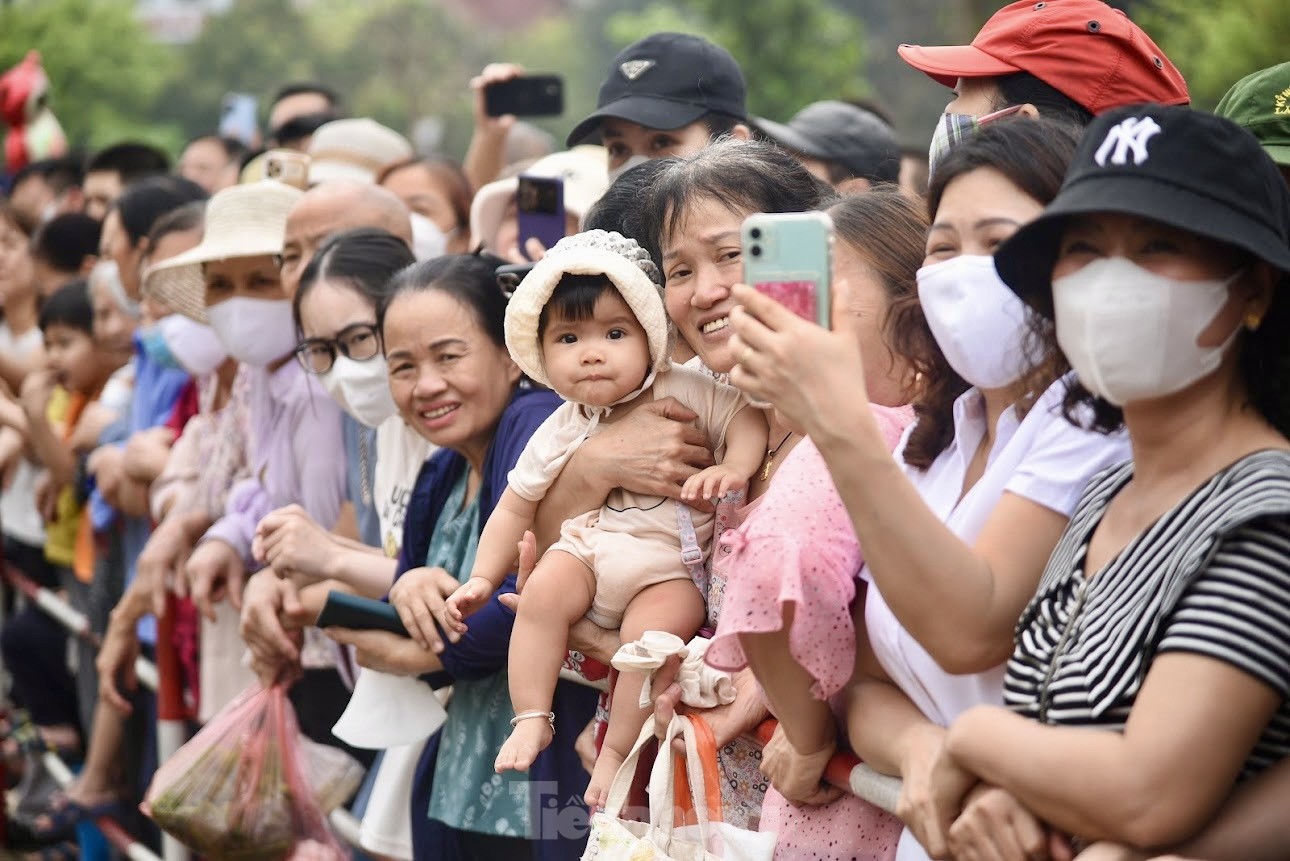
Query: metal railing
{"x": 169, "y": 719}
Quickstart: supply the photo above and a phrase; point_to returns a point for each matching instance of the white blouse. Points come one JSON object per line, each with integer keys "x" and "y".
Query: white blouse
{"x": 1041, "y": 457}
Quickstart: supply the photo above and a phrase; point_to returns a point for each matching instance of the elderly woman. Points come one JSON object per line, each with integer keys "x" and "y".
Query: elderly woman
{"x": 453, "y": 381}
{"x": 1151, "y": 669}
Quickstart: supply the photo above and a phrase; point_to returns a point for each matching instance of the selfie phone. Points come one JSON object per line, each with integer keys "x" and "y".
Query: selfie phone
{"x": 526, "y": 96}
{"x": 788, "y": 257}
{"x": 237, "y": 118}
{"x": 539, "y": 206}
{"x": 343, "y": 610}
{"x": 288, "y": 167}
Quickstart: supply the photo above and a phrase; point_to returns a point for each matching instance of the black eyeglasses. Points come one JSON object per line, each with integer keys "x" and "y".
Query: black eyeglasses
{"x": 359, "y": 342}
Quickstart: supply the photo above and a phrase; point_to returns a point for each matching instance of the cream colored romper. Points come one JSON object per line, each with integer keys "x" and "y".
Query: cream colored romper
{"x": 632, "y": 541}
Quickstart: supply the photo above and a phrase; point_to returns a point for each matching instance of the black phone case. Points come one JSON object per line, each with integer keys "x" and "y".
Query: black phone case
{"x": 530, "y": 96}
{"x": 343, "y": 610}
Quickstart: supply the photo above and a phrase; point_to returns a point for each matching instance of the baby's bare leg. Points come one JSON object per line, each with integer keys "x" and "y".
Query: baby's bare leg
{"x": 675, "y": 607}
{"x": 556, "y": 595}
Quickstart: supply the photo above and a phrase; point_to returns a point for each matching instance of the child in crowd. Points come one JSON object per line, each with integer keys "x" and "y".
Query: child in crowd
{"x": 589, "y": 322}
{"x": 54, "y": 402}
{"x": 64, "y": 249}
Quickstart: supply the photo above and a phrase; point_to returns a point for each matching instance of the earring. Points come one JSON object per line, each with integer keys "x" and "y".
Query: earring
{"x": 1253, "y": 320}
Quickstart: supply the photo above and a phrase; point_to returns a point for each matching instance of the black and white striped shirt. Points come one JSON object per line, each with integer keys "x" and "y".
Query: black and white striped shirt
{"x": 1210, "y": 577}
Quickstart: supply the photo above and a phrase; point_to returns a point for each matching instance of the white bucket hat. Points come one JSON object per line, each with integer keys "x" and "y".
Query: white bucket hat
{"x": 584, "y": 169}
{"x": 356, "y": 149}
{"x": 595, "y": 252}
{"x": 241, "y": 221}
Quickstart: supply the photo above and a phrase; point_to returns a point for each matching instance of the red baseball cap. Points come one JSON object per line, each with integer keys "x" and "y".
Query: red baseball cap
{"x": 1086, "y": 50}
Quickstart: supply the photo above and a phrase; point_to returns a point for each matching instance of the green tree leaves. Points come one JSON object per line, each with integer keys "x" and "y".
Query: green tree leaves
{"x": 105, "y": 71}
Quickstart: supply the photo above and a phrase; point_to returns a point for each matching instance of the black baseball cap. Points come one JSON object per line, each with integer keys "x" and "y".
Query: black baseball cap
{"x": 1184, "y": 168}
{"x": 666, "y": 81}
{"x": 841, "y": 133}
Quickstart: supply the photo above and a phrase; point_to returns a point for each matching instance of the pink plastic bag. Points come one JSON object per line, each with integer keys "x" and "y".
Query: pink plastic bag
{"x": 250, "y": 787}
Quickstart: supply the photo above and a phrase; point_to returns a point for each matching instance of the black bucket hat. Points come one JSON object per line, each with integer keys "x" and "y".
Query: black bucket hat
{"x": 666, "y": 81}
{"x": 1184, "y": 168}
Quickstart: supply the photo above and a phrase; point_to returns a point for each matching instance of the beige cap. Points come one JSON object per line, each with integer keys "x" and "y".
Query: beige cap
{"x": 584, "y": 169}
{"x": 595, "y": 252}
{"x": 356, "y": 149}
{"x": 242, "y": 221}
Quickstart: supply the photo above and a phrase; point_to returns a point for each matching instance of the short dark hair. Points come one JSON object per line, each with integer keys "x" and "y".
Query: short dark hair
{"x": 60, "y": 174}
{"x": 234, "y": 149}
{"x": 619, "y": 208}
{"x": 720, "y": 124}
{"x": 143, "y": 202}
{"x": 364, "y": 259}
{"x": 66, "y": 240}
{"x": 574, "y": 298}
{"x": 1033, "y": 155}
{"x": 747, "y": 176}
{"x": 70, "y": 306}
{"x": 471, "y": 279}
{"x": 300, "y": 88}
{"x": 1024, "y": 88}
{"x": 132, "y": 161}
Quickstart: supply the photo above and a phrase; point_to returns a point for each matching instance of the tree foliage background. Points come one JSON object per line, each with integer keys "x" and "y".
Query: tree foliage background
{"x": 403, "y": 60}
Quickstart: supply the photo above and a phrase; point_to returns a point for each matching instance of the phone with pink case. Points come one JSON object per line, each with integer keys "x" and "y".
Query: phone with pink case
{"x": 788, "y": 257}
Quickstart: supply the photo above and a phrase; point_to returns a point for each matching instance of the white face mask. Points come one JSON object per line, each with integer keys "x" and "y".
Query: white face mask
{"x": 195, "y": 347}
{"x": 256, "y": 332}
{"x": 361, "y": 388}
{"x": 980, "y": 325}
{"x": 1131, "y": 334}
{"x": 428, "y": 241}
{"x": 634, "y": 161}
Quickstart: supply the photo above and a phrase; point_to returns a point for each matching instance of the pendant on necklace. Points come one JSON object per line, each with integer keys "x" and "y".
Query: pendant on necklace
{"x": 766, "y": 465}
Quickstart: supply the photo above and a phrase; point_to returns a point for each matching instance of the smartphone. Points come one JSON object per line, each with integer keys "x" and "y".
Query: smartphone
{"x": 237, "y": 118}
{"x": 527, "y": 96}
{"x": 539, "y": 205}
{"x": 343, "y": 610}
{"x": 788, "y": 256}
{"x": 287, "y": 166}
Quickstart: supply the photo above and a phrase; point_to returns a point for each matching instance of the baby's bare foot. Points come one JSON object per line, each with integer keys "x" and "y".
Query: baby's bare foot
{"x": 602, "y": 777}
{"x": 528, "y": 739}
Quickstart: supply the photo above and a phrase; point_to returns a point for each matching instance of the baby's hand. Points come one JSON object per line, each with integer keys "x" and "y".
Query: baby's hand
{"x": 468, "y": 598}
{"x": 713, "y": 483}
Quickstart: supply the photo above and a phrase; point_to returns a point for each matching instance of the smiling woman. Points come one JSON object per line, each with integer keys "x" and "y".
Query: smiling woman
{"x": 454, "y": 383}
{"x": 691, "y": 222}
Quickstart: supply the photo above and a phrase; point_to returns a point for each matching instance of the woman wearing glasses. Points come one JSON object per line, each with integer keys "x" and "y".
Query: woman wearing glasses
{"x": 335, "y": 315}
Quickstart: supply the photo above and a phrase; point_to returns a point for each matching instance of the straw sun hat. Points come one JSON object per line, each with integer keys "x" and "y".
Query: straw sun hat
{"x": 241, "y": 221}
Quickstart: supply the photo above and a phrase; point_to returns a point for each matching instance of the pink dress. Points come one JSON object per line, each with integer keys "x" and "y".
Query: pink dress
{"x": 799, "y": 547}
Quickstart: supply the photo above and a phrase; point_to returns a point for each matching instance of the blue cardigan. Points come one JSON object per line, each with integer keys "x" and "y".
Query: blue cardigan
{"x": 557, "y": 777}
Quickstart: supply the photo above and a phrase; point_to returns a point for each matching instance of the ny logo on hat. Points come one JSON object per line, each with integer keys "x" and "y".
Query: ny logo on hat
{"x": 1130, "y": 134}
{"x": 633, "y": 69}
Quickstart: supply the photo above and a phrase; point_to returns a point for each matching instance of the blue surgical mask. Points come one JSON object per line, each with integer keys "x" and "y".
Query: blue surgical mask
{"x": 153, "y": 345}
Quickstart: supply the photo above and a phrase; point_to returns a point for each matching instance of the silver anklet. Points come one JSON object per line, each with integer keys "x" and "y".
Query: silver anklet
{"x": 530, "y": 715}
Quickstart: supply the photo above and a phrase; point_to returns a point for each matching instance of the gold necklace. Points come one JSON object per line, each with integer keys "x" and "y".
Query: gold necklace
{"x": 770, "y": 457}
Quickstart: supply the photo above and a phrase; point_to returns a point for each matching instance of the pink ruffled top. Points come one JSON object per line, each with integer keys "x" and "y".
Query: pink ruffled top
{"x": 798, "y": 547}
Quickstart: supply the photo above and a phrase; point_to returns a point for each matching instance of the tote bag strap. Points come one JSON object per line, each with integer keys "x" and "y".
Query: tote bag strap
{"x": 704, "y": 794}
{"x": 621, "y": 787}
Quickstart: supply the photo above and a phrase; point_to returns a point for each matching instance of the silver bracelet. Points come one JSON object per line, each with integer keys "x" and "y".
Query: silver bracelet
{"x": 530, "y": 715}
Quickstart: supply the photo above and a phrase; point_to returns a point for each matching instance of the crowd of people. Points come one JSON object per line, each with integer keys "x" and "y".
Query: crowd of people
{"x": 1014, "y": 527}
